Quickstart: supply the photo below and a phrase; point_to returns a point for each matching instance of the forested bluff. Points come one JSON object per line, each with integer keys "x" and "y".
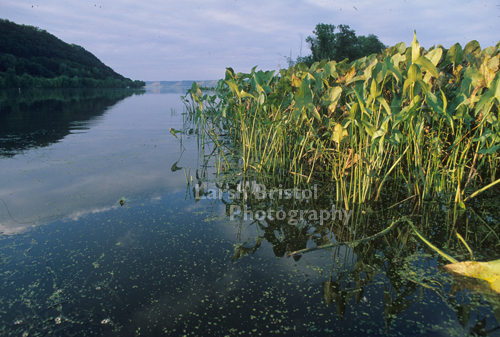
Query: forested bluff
{"x": 31, "y": 57}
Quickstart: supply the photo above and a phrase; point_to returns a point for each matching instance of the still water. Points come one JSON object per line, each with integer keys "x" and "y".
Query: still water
{"x": 103, "y": 234}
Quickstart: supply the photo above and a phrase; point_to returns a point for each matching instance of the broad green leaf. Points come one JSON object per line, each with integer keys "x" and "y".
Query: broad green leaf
{"x": 358, "y": 89}
{"x": 486, "y": 99}
{"x": 195, "y": 89}
{"x": 414, "y": 76}
{"x": 368, "y": 70}
{"x": 301, "y": 67}
{"x": 268, "y": 77}
{"x": 439, "y": 106}
{"x": 379, "y": 133}
{"x": 368, "y": 127}
{"x": 434, "y": 102}
{"x": 234, "y": 88}
{"x": 386, "y": 106}
{"x": 455, "y": 54}
{"x": 350, "y": 74}
{"x": 491, "y": 150}
{"x": 414, "y": 73}
{"x": 331, "y": 98}
{"x": 434, "y": 56}
{"x": 460, "y": 100}
{"x": 397, "y": 59}
{"x": 388, "y": 63}
{"x": 397, "y": 136}
{"x": 472, "y": 47}
{"x": 246, "y": 94}
{"x": 330, "y": 69}
{"x": 395, "y": 105}
{"x": 356, "y": 78}
{"x": 257, "y": 77}
{"x": 229, "y": 74}
{"x": 354, "y": 111}
{"x": 427, "y": 65}
{"x": 379, "y": 72}
{"x": 473, "y": 76}
{"x": 304, "y": 100}
{"x": 401, "y": 47}
{"x": 495, "y": 86}
{"x": 256, "y": 88}
{"x": 315, "y": 113}
{"x": 374, "y": 89}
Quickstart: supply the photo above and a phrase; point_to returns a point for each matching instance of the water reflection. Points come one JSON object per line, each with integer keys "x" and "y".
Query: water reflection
{"x": 68, "y": 153}
{"x": 396, "y": 274}
{"x": 39, "y": 118}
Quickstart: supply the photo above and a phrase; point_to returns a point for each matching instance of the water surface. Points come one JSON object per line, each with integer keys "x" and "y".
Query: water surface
{"x": 75, "y": 261}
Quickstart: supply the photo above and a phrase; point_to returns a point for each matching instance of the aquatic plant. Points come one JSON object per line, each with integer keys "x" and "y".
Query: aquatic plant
{"x": 421, "y": 121}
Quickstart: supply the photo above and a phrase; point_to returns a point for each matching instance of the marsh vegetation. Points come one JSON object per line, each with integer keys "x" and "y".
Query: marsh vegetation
{"x": 407, "y": 137}
{"x": 420, "y": 121}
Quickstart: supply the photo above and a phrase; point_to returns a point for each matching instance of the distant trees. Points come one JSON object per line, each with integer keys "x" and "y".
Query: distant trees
{"x": 331, "y": 45}
{"x": 30, "y": 57}
{"x": 11, "y": 80}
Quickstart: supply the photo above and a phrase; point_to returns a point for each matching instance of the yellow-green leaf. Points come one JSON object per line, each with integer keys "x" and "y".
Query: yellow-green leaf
{"x": 401, "y": 47}
{"x": 296, "y": 81}
{"x": 427, "y": 65}
{"x": 415, "y": 48}
{"x": 339, "y": 133}
{"x": 487, "y": 271}
{"x": 331, "y": 98}
{"x": 414, "y": 73}
{"x": 434, "y": 55}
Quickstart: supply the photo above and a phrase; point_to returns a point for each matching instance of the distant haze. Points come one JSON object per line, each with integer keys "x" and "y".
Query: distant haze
{"x": 159, "y": 40}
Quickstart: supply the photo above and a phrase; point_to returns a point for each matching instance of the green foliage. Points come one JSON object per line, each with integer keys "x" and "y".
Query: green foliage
{"x": 343, "y": 44}
{"x": 323, "y": 45}
{"x": 425, "y": 121}
{"x": 40, "y": 60}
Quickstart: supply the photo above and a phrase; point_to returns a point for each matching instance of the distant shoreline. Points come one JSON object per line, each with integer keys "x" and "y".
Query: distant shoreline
{"x": 179, "y": 84}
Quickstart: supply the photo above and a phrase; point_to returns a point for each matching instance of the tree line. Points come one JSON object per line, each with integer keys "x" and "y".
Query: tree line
{"x": 338, "y": 43}
{"x": 31, "y": 57}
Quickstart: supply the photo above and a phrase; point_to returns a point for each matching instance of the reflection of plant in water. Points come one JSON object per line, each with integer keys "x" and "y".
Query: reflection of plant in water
{"x": 241, "y": 251}
{"x": 352, "y": 283}
{"x": 399, "y": 255}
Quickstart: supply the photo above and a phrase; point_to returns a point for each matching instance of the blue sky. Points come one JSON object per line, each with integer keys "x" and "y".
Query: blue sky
{"x": 198, "y": 39}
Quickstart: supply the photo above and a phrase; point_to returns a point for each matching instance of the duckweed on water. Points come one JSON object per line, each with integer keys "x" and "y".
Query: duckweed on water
{"x": 174, "y": 277}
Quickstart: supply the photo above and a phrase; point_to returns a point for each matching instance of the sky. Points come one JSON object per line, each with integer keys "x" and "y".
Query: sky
{"x": 165, "y": 40}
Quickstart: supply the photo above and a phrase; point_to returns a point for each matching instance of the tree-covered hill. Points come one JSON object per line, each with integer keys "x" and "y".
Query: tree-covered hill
{"x": 31, "y": 57}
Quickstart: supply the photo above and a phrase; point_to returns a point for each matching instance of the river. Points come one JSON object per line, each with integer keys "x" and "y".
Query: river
{"x": 105, "y": 232}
